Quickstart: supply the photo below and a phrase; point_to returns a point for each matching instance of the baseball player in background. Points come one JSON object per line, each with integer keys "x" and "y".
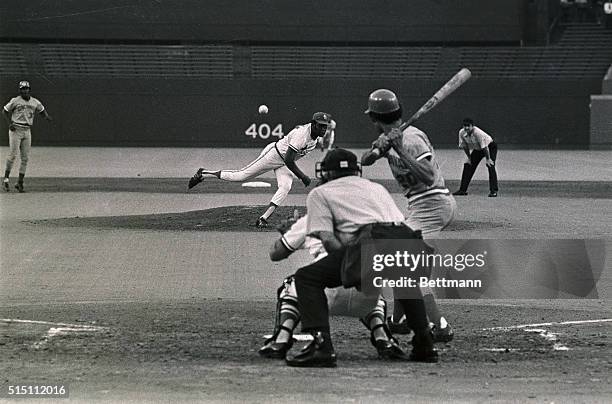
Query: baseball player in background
{"x": 348, "y": 302}
{"x": 412, "y": 160}
{"x": 280, "y": 157}
{"x": 19, "y": 113}
{"x": 476, "y": 143}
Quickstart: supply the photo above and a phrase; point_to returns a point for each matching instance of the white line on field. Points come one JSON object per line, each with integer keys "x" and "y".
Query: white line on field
{"x": 80, "y": 326}
{"x": 549, "y": 336}
{"x": 578, "y": 322}
{"x": 298, "y": 337}
{"x": 58, "y": 329}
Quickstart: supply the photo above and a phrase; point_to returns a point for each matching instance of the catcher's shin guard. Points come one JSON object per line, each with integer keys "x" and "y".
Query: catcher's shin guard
{"x": 286, "y": 305}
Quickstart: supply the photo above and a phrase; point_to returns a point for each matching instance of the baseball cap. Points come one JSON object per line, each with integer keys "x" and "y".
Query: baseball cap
{"x": 24, "y": 84}
{"x": 340, "y": 159}
{"x": 322, "y": 118}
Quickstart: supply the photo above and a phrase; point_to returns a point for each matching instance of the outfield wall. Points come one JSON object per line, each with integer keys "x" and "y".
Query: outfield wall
{"x": 202, "y": 113}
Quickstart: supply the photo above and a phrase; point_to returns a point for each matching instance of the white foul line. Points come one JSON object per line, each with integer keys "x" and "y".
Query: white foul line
{"x": 578, "y": 322}
{"x": 551, "y": 337}
{"x": 57, "y": 329}
{"x": 80, "y": 326}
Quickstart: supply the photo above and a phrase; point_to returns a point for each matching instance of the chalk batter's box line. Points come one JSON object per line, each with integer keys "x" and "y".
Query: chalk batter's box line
{"x": 521, "y": 326}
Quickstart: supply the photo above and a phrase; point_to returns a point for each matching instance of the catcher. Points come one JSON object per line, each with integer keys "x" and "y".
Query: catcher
{"x": 346, "y": 302}
{"x": 280, "y": 157}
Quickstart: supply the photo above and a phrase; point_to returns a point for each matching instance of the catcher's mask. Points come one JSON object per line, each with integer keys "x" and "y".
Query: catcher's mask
{"x": 337, "y": 163}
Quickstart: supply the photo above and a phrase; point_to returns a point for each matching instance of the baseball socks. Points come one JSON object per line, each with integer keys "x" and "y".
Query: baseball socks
{"x": 210, "y": 174}
{"x": 19, "y": 185}
{"x": 287, "y": 318}
{"x": 271, "y": 208}
{"x": 375, "y": 319}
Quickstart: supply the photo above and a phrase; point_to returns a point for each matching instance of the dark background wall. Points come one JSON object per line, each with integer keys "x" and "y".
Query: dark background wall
{"x": 152, "y": 110}
{"x": 388, "y": 21}
{"x": 218, "y": 112}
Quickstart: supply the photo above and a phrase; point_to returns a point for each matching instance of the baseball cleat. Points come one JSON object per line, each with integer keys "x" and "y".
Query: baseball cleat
{"x": 427, "y": 356}
{"x": 422, "y": 349}
{"x": 319, "y": 353}
{"x": 439, "y": 334}
{"x": 400, "y": 327}
{"x": 261, "y": 222}
{"x": 493, "y": 195}
{"x": 460, "y": 192}
{"x": 196, "y": 179}
{"x": 390, "y": 350}
{"x": 19, "y": 187}
{"x": 6, "y": 185}
{"x": 275, "y": 350}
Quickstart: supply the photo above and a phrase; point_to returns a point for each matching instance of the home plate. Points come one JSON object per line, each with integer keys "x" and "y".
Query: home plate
{"x": 256, "y": 184}
{"x": 298, "y": 337}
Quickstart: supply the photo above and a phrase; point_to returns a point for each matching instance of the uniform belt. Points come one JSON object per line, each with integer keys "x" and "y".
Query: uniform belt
{"x": 25, "y": 125}
{"x": 279, "y": 153}
{"x": 429, "y": 192}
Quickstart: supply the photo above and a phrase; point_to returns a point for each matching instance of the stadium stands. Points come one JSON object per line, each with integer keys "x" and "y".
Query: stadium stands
{"x": 567, "y": 59}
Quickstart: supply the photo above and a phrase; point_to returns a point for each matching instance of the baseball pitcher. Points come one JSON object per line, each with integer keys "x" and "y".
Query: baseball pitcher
{"x": 280, "y": 157}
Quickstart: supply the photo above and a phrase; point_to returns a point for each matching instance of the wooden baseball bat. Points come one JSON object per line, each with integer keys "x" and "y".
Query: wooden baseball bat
{"x": 447, "y": 89}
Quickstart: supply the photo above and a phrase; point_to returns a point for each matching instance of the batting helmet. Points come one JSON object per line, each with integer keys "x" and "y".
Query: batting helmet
{"x": 24, "y": 84}
{"x": 337, "y": 163}
{"x": 382, "y": 101}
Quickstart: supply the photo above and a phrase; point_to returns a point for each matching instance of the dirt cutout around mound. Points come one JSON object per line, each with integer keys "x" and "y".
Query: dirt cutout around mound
{"x": 228, "y": 218}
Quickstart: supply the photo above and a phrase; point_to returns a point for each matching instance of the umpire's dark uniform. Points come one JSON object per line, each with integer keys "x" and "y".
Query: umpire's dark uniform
{"x": 476, "y": 142}
{"x": 337, "y": 210}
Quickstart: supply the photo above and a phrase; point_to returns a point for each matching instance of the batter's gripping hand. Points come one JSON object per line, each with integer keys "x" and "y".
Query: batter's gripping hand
{"x": 382, "y": 144}
{"x": 395, "y": 136}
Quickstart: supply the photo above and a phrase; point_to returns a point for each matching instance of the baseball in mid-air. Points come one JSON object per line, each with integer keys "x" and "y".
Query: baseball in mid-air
{"x": 263, "y": 109}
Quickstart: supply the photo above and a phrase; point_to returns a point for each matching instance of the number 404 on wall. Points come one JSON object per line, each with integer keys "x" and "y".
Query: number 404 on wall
{"x": 264, "y": 131}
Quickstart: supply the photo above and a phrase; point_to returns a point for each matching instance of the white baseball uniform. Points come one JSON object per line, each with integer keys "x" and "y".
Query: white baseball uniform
{"x": 20, "y": 140}
{"x": 272, "y": 157}
{"x": 477, "y": 140}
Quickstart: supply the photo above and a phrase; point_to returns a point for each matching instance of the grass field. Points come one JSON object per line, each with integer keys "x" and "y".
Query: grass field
{"x": 128, "y": 289}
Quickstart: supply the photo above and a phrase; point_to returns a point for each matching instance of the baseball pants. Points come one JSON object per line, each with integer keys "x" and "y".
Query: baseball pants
{"x": 20, "y": 141}
{"x": 470, "y": 169}
{"x": 431, "y": 214}
{"x": 268, "y": 160}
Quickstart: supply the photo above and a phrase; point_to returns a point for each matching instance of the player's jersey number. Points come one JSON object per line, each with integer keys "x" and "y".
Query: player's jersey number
{"x": 264, "y": 131}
